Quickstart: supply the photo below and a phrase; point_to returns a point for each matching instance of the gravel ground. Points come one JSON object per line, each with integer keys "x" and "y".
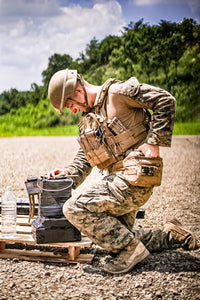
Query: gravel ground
{"x": 171, "y": 274}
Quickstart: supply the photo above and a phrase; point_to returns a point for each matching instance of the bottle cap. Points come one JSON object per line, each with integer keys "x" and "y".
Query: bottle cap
{"x": 9, "y": 188}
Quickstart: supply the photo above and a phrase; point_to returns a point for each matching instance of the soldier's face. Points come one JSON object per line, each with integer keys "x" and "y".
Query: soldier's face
{"x": 77, "y": 102}
{"x": 75, "y": 106}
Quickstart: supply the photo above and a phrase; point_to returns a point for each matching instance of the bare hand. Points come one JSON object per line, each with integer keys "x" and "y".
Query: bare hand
{"x": 56, "y": 173}
{"x": 149, "y": 150}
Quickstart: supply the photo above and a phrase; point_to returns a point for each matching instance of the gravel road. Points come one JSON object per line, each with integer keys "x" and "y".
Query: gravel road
{"x": 171, "y": 274}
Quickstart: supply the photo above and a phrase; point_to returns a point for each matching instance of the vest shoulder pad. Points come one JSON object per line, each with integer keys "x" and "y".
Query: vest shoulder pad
{"x": 104, "y": 90}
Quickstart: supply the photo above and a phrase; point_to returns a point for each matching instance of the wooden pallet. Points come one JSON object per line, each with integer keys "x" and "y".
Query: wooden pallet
{"x": 24, "y": 236}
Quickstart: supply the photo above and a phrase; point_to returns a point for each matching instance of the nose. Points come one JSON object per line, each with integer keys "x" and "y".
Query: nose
{"x": 73, "y": 110}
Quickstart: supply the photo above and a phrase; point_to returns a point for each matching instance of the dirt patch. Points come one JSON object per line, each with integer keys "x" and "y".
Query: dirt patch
{"x": 171, "y": 274}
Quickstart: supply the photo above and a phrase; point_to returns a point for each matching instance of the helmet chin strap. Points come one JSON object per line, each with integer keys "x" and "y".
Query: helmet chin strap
{"x": 88, "y": 108}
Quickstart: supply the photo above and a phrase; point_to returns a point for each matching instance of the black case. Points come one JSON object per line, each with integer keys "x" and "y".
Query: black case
{"x": 51, "y": 226}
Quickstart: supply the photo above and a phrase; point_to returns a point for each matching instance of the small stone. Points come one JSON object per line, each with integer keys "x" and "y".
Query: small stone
{"x": 28, "y": 286}
{"x": 11, "y": 285}
{"x": 158, "y": 294}
{"x": 15, "y": 259}
{"x": 119, "y": 294}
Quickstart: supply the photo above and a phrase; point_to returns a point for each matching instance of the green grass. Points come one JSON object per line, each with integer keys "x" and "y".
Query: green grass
{"x": 52, "y": 131}
{"x": 187, "y": 128}
{"x": 179, "y": 129}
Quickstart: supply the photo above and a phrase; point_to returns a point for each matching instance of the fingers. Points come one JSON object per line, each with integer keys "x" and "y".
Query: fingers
{"x": 51, "y": 174}
{"x": 149, "y": 150}
{"x": 139, "y": 152}
{"x": 56, "y": 173}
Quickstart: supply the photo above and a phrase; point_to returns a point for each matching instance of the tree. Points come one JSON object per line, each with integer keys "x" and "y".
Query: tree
{"x": 166, "y": 29}
{"x": 177, "y": 49}
{"x": 189, "y": 31}
{"x": 106, "y": 47}
{"x": 137, "y": 26}
{"x": 37, "y": 93}
{"x": 56, "y": 62}
{"x": 92, "y": 52}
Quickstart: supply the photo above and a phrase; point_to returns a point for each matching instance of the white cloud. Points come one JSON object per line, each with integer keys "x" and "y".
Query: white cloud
{"x": 32, "y": 31}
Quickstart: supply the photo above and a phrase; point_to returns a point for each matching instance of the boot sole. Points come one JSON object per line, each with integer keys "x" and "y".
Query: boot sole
{"x": 141, "y": 257}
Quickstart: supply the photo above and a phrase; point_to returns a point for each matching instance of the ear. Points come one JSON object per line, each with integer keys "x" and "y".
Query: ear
{"x": 79, "y": 89}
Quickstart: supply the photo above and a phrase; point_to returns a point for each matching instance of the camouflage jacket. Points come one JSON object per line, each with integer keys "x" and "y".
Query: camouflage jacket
{"x": 128, "y": 101}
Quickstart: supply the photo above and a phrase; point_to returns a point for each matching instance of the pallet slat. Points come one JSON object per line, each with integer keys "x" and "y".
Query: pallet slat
{"x": 44, "y": 256}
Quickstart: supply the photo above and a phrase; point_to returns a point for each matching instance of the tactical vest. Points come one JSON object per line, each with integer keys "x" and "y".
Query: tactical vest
{"x": 105, "y": 141}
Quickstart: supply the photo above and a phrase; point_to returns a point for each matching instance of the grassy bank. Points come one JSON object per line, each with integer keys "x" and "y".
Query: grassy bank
{"x": 52, "y": 131}
{"x": 179, "y": 129}
{"x": 187, "y": 128}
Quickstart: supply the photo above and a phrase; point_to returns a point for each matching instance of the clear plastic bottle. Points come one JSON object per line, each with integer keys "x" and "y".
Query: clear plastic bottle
{"x": 8, "y": 213}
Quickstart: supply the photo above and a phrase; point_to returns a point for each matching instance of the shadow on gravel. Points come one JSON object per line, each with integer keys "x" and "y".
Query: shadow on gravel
{"x": 169, "y": 261}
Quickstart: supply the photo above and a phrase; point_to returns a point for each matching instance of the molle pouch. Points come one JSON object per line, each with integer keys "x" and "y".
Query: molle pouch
{"x": 90, "y": 133}
{"x": 94, "y": 151}
{"x": 100, "y": 157}
{"x": 89, "y": 142}
{"x": 142, "y": 171}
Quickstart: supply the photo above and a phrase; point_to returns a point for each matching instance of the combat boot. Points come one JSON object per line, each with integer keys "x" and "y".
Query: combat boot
{"x": 181, "y": 234}
{"x": 128, "y": 257}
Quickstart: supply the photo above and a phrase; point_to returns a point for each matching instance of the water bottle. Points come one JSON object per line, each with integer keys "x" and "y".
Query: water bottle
{"x": 8, "y": 213}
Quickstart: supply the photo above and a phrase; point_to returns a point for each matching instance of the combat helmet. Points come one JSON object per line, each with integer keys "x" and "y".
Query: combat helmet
{"x": 62, "y": 87}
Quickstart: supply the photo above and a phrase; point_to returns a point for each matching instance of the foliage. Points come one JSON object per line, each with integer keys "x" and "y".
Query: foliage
{"x": 37, "y": 116}
{"x": 165, "y": 55}
{"x": 14, "y": 99}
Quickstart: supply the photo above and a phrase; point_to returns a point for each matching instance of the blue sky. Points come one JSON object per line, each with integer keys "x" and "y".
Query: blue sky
{"x": 32, "y": 31}
{"x": 152, "y": 10}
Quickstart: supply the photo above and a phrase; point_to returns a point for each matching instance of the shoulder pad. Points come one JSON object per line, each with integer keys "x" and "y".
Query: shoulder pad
{"x": 100, "y": 97}
{"x": 133, "y": 81}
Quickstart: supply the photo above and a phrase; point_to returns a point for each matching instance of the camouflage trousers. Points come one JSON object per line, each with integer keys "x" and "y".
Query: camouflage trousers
{"x": 106, "y": 213}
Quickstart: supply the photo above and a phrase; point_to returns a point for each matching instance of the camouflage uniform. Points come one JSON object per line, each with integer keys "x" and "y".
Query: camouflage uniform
{"x": 106, "y": 211}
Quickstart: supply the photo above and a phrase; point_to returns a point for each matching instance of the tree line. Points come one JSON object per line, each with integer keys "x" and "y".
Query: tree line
{"x": 166, "y": 55}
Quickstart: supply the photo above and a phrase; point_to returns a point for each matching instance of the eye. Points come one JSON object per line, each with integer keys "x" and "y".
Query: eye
{"x": 70, "y": 105}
